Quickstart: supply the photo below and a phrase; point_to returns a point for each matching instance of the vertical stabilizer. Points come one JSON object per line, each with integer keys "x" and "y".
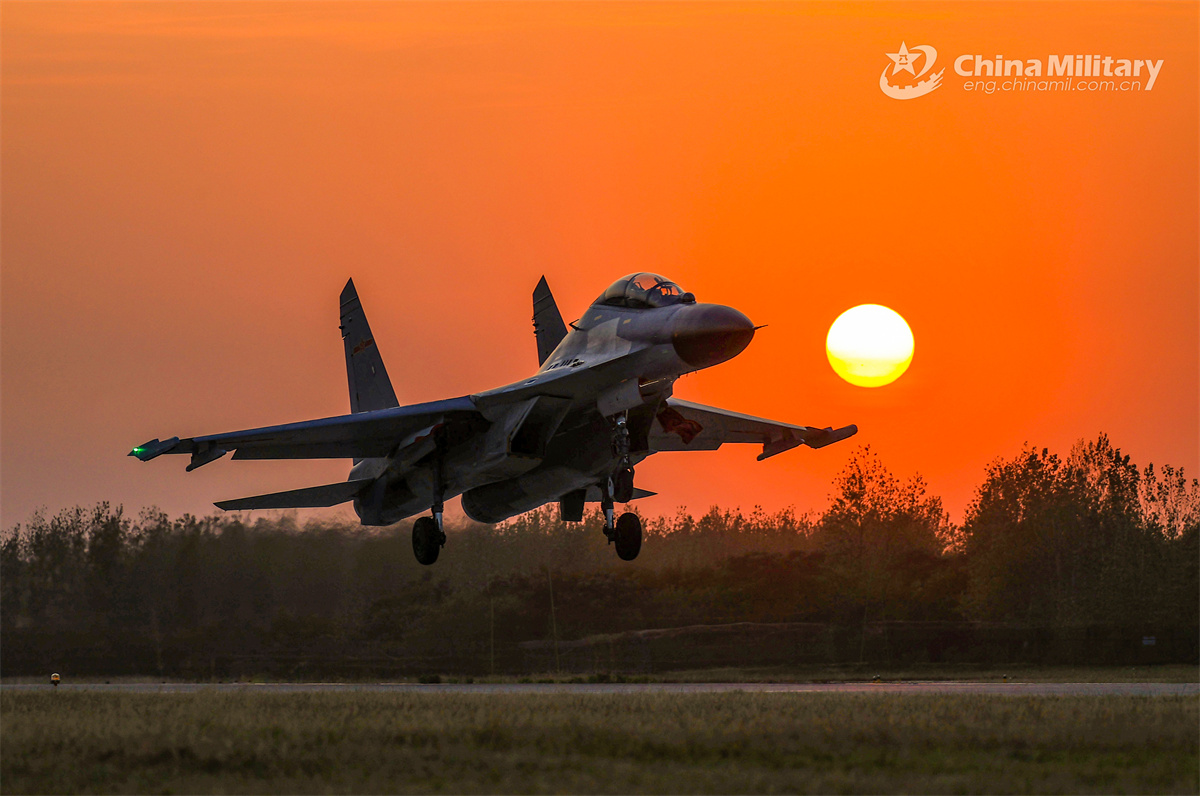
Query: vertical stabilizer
{"x": 548, "y": 324}
{"x": 370, "y": 387}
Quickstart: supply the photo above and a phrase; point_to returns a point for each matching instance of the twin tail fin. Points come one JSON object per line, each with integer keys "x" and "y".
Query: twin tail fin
{"x": 370, "y": 387}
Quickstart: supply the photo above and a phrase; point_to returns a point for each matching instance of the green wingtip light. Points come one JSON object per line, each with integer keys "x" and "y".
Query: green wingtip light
{"x": 136, "y": 450}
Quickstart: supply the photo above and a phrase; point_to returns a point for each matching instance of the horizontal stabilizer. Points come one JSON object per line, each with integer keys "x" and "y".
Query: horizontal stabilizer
{"x": 308, "y": 498}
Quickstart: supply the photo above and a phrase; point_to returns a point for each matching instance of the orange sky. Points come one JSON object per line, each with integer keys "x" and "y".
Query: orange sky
{"x": 184, "y": 189}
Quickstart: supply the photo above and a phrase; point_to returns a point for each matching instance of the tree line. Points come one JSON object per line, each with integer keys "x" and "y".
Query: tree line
{"x": 1088, "y": 546}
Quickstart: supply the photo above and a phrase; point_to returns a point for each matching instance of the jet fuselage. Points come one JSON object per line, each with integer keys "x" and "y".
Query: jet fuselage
{"x": 616, "y": 360}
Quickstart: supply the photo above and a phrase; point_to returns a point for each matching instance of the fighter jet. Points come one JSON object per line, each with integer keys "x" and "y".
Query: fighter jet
{"x": 600, "y": 402}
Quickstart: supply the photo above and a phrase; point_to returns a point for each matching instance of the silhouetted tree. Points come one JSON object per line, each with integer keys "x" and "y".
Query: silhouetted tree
{"x": 1072, "y": 542}
{"x": 882, "y": 538}
{"x": 1088, "y": 540}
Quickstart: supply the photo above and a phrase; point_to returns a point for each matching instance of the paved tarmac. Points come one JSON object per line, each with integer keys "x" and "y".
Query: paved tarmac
{"x": 993, "y": 688}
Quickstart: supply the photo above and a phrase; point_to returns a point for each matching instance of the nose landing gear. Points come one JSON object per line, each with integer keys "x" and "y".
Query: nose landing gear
{"x": 624, "y": 533}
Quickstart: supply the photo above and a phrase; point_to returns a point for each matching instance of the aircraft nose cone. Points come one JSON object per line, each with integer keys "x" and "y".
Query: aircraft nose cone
{"x": 709, "y": 334}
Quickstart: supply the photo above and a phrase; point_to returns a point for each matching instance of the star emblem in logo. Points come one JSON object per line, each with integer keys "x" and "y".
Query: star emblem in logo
{"x": 903, "y": 60}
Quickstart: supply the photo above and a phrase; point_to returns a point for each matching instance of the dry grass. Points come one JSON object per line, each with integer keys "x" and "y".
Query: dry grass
{"x": 86, "y": 741}
{"x": 1166, "y": 673}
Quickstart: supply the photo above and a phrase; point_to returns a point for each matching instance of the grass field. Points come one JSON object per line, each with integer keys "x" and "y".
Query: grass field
{"x": 66, "y": 742}
{"x": 1172, "y": 673}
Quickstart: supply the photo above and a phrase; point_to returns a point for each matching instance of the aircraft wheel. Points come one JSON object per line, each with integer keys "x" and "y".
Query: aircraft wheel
{"x": 426, "y": 540}
{"x": 623, "y": 485}
{"x": 628, "y": 536}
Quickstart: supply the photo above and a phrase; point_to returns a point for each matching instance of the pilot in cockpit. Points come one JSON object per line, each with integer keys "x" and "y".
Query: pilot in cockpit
{"x": 639, "y": 291}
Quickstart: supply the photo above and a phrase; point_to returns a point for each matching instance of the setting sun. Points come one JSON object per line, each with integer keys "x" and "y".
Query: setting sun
{"x": 869, "y": 345}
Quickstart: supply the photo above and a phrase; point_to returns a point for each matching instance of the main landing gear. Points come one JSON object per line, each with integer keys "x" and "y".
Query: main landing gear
{"x": 428, "y": 538}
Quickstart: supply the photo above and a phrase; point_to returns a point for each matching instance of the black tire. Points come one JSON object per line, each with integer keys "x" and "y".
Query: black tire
{"x": 427, "y": 540}
{"x": 623, "y": 485}
{"x": 628, "y": 536}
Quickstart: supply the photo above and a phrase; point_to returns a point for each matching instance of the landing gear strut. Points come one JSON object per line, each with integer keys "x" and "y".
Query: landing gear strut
{"x": 622, "y": 478}
{"x": 428, "y": 537}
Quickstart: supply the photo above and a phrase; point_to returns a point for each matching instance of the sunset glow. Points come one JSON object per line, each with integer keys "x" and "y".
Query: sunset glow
{"x": 186, "y": 187}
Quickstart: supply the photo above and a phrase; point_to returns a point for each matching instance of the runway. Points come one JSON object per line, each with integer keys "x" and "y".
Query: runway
{"x": 927, "y": 687}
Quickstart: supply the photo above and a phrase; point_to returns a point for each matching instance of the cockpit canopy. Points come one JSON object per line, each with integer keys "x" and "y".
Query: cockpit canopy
{"x": 644, "y": 290}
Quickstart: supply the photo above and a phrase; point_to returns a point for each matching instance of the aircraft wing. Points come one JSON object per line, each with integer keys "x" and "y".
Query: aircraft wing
{"x": 687, "y": 426}
{"x": 355, "y": 436}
